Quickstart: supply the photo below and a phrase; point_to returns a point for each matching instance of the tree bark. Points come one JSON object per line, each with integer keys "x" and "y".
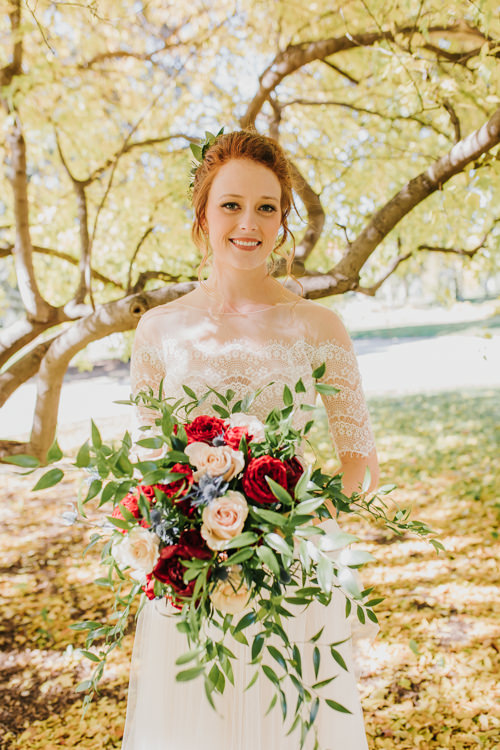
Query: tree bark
{"x": 121, "y": 315}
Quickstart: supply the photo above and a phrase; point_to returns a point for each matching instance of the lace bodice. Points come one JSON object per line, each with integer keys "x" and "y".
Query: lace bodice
{"x": 243, "y": 352}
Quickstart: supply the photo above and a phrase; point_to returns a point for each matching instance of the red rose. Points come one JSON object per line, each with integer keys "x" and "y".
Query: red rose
{"x": 294, "y": 471}
{"x": 254, "y": 479}
{"x": 180, "y": 487}
{"x": 170, "y": 567}
{"x": 233, "y": 435}
{"x": 204, "y": 429}
{"x": 131, "y": 503}
{"x": 149, "y": 586}
{"x": 194, "y": 544}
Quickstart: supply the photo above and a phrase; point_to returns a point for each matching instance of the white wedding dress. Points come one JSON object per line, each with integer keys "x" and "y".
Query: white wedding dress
{"x": 186, "y": 345}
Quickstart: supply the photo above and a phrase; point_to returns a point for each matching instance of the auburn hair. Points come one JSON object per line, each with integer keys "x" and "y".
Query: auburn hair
{"x": 242, "y": 144}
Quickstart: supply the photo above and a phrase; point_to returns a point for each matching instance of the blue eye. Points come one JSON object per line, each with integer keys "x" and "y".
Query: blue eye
{"x": 231, "y": 205}
{"x": 268, "y": 208}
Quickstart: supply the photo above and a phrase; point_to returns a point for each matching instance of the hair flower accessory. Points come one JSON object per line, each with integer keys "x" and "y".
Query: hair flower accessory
{"x": 199, "y": 151}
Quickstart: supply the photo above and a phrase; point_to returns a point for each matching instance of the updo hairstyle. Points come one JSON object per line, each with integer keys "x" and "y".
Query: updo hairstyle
{"x": 242, "y": 144}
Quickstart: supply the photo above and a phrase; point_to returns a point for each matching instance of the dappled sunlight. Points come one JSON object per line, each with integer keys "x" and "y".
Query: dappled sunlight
{"x": 427, "y": 680}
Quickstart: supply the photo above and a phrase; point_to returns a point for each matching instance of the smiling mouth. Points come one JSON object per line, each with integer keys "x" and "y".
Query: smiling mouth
{"x": 245, "y": 244}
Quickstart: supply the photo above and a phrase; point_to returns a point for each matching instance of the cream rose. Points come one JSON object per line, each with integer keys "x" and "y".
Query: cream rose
{"x": 224, "y": 519}
{"x": 253, "y": 425}
{"x": 232, "y": 594}
{"x": 137, "y": 550}
{"x": 217, "y": 461}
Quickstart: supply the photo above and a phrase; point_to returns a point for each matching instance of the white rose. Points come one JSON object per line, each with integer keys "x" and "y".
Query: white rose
{"x": 137, "y": 550}
{"x": 217, "y": 461}
{"x": 232, "y": 594}
{"x": 253, "y": 425}
{"x": 224, "y": 519}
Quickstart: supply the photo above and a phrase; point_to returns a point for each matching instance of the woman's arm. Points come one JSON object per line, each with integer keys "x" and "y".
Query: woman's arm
{"x": 347, "y": 412}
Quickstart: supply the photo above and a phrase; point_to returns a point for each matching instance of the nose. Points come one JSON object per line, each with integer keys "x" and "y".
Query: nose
{"x": 248, "y": 220}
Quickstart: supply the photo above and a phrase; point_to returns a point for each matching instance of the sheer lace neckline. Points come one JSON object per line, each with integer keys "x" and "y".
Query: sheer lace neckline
{"x": 241, "y": 312}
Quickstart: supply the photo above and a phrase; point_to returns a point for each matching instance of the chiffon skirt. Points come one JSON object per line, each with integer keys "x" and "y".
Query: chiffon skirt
{"x": 163, "y": 714}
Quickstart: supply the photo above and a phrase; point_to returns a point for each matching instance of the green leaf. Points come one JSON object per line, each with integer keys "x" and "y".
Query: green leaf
{"x": 277, "y": 657}
{"x": 277, "y": 519}
{"x": 287, "y": 396}
{"x": 414, "y": 647}
{"x": 89, "y": 655}
{"x": 22, "y": 459}
{"x": 270, "y": 674}
{"x": 55, "y": 453}
{"x": 316, "y": 660}
{"x": 299, "y": 386}
{"x": 190, "y": 392}
{"x": 220, "y": 410}
{"x": 349, "y": 582}
{"x": 278, "y": 543}
{"x": 94, "y": 489}
{"x": 269, "y": 558}
{"x": 354, "y": 557}
{"x": 279, "y": 492}
{"x": 254, "y": 679}
{"x": 196, "y": 151}
{"x": 324, "y": 572}
{"x": 189, "y": 674}
{"x": 319, "y": 371}
{"x": 314, "y": 710}
{"x": 367, "y": 480}
{"x": 326, "y": 389}
{"x": 437, "y": 545}
{"x": 49, "y": 479}
{"x": 309, "y": 506}
{"x": 83, "y": 456}
{"x": 271, "y": 704}
{"x": 337, "y": 706}
{"x": 188, "y": 656}
{"x": 241, "y": 556}
{"x": 257, "y": 645}
{"x": 316, "y": 637}
{"x": 96, "y": 435}
{"x": 245, "y": 621}
{"x": 338, "y": 658}
{"x": 242, "y": 540}
{"x": 324, "y": 683}
{"x": 83, "y": 686}
{"x": 119, "y": 523}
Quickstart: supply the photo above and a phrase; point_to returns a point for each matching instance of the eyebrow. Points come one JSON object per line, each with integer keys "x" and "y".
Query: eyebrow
{"x": 263, "y": 197}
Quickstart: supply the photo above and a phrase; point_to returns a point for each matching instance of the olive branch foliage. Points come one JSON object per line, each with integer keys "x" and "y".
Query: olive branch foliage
{"x": 281, "y": 565}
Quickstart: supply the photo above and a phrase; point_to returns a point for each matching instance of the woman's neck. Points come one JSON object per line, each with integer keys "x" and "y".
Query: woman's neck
{"x": 237, "y": 288}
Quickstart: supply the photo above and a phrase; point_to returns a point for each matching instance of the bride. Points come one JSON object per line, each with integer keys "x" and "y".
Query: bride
{"x": 241, "y": 330}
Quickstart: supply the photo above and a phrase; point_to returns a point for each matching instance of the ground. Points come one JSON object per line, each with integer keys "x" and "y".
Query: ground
{"x": 429, "y": 679}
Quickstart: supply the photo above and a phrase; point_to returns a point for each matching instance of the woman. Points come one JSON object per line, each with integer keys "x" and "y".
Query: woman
{"x": 240, "y": 330}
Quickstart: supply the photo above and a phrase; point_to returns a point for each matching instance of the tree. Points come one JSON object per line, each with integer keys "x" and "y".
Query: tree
{"x": 389, "y": 113}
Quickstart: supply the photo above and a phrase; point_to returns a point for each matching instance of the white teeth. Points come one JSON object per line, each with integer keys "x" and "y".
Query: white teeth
{"x": 252, "y": 243}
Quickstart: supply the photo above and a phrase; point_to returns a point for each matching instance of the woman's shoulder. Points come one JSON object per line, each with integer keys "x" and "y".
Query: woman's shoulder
{"x": 323, "y": 324}
{"x": 158, "y": 321}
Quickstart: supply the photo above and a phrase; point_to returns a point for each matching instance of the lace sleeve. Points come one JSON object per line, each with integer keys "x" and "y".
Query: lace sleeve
{"x": 146, "y": 371}
{"x": 347, "y": 412}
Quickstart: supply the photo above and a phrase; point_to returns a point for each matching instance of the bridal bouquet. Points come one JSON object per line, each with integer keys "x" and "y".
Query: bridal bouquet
{"x": 214, "y": 515}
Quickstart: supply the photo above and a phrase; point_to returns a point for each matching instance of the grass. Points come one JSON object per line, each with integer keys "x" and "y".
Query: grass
{"x": 429, "y": 679}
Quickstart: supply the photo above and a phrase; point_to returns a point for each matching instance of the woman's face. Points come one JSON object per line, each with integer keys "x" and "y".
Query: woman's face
{"x": 243, "y": 213}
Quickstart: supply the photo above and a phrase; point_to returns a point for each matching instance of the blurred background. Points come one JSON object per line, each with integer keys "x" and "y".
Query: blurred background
{"x": 390, "y": 115}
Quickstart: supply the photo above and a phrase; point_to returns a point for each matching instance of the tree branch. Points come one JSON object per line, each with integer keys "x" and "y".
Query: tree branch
{"x": 461, "y": 251}
{"x": 373, "y": 289}
{"x": 295, "y": 56}
{"x": 7, "y": 250}
{"x": 413, "y": 193}
{"x": 117, "y": 316}
{"x": 341, "y": 72}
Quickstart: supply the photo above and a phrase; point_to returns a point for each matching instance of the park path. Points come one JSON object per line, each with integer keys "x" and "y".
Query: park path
{"x": 388, "y": 366}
